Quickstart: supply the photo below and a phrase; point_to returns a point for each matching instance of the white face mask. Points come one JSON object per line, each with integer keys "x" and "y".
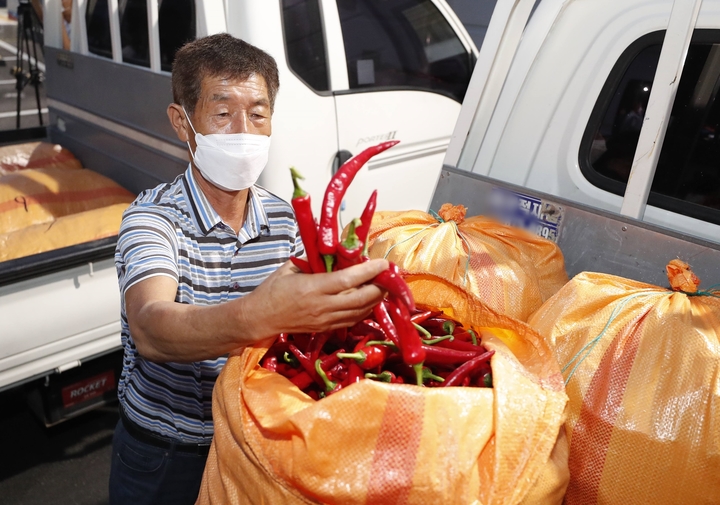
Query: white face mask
{"x": 230, "y": 161}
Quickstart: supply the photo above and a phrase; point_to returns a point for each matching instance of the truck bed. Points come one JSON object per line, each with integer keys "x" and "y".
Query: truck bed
{"x": 590, "y": 239}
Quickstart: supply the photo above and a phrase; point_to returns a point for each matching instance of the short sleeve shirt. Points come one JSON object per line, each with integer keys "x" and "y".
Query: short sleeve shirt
{"x": 172, "y": 230}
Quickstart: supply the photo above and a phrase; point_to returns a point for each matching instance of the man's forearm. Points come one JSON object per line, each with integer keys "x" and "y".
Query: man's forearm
{"x": 171, "y": 331}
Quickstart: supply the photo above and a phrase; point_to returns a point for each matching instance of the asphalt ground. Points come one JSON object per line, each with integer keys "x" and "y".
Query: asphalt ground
{"x": 67, "y": 464}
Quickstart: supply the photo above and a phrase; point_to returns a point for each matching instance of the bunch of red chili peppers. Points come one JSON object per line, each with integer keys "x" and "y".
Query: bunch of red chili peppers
{"x": 400, "y": 343}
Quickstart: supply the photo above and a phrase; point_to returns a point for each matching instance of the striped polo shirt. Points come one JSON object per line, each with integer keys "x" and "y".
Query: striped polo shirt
{"x": 172, "y": 230}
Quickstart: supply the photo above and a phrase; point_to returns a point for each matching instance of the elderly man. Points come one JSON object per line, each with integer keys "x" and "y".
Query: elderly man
{"x": 203, "y": 269}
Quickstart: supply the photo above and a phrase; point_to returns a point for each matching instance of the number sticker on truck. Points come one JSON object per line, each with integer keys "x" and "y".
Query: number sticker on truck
{"x": 87, "y": 389}
{"x": 538, "y": 216}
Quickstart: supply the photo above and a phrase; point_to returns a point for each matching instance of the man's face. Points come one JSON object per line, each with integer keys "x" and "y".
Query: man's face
{"x": 232, "y": 106}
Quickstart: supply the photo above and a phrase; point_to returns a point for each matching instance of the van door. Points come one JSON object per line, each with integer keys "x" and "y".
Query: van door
{"x": 408, "y": 65}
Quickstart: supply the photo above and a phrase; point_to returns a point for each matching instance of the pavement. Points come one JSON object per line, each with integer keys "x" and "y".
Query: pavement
{"x": 67, "y": 464}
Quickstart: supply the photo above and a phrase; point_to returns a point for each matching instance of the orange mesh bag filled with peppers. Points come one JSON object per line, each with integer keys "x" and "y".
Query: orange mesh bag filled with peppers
{"x": 380, "y": 443}
{"x": 642, "y": 367}
{"x": 510, "y": 270}
{"x": 280, "y": 439}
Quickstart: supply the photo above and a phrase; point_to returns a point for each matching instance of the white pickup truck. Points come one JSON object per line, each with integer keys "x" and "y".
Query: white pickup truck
{"x": 352, "y": 73}
{"x": 600, "y": 120}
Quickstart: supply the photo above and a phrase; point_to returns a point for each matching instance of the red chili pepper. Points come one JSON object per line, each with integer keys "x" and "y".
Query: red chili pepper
{"x": 355, "y": 373}
{"x": 411, "y": 346}
{"x": 270, "y": 363}
{"x": 366, "y": 220}
{"x": 303, "y": 266}
{"x": 350, "y": 249}
{"x": 440, "y": 325}
{"x": 330, "y": 385}
{"x": 461, "y": 345}
{"x": 304, "y": 379}
{"x": 458, "y": 376}
{"x": 421, "y": 317}
{"x": 382, "y": 314}
{"x": 368, "y": 356}
{"x": 367, "y": 326}
{"x": 391, "y": 281}
{"x": 306, "y": 223}
{"x": 304, "y": 360}
{"x": 445, "y": 356}
{"x": 384, "y": 376}
{"x": 328, "y": 228}
{"x": 316, "y": 344}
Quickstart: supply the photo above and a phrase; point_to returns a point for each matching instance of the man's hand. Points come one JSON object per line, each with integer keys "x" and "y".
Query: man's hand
{"x": 291, "y": 302}
{"x": 164, "y": 330}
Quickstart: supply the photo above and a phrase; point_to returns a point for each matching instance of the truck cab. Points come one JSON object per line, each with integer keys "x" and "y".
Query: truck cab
{"x": 606, "y": 104}
{"x": 352, "y": 73}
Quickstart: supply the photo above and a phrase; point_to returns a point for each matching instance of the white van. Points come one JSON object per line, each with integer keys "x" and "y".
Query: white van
{"x": 352, "y": 73}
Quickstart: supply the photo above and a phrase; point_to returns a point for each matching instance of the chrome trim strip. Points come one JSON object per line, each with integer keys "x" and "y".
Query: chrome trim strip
{"x": 120, "y": 130}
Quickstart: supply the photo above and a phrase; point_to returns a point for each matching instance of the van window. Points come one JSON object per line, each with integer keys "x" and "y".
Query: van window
{"x": 305, "y": 42}
{"x": 134, "y": 32}
{"x": 176, "y": 24}
{"x": 687, "y": 179}
{"x": 403, "y": 44}
{"x": 97, "y": 21}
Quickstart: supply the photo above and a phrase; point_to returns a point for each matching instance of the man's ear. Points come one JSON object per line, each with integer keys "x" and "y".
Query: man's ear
{"x": 178, "y": 121}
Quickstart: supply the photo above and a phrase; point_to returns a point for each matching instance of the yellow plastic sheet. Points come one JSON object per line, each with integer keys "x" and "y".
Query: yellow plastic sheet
{"x": 62, "y": 232}
{"x": 643, "y": 370}
{"x": 35, "y": 155}
{"x": 510, "y": 270}
{"x": 35, "y": 196}
{"x": 377, "y": 443}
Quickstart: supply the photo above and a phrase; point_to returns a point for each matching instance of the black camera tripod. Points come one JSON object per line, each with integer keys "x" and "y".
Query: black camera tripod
{"x": 29, "y": 31}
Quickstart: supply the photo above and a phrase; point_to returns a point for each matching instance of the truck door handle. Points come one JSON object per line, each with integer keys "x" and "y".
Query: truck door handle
{"x": 340, "y": 157}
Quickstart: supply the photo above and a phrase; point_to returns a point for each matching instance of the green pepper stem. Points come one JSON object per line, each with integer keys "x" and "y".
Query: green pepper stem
{"x": 449, "y": 327}
{"x": 423, "y": 330}
{"x": 382, "y": 377}
{"x": 329, "y": 385}
{"x": 427, "y": 374}
{"x": 381, "y": 342}
{"x": 487, "y": 380}
{"x": 290, "y": 359}
{"x": 352, "y": 241}
{"x": 473, "y": 336}
{"x": 418, "y": 374}
{"x": 359, "y": 356}
{"x": 299, "y": 192}
{"x": 329, "y": 261}
{"x": 433, "y": 341}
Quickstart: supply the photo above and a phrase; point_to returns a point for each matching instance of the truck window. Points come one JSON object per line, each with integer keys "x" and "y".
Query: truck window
{"x": 176, "y": 24}
{"x": 687, "y": 179}
{"x": 134, "y": 32}
{"x": 305, "y": 42}
{"x": 97, "y": 21}
{"x": 403, "y": 44}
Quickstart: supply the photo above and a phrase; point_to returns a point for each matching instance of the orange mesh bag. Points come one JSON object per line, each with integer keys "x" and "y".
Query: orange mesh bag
{"x": 380, "y": 443}
{"x": 62, "y": 232}
{"x": 642, "y": 366}
{"x": 509, "y": 269}
{"x": 35, "y": 155}
{"x": 41, "y": 195}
